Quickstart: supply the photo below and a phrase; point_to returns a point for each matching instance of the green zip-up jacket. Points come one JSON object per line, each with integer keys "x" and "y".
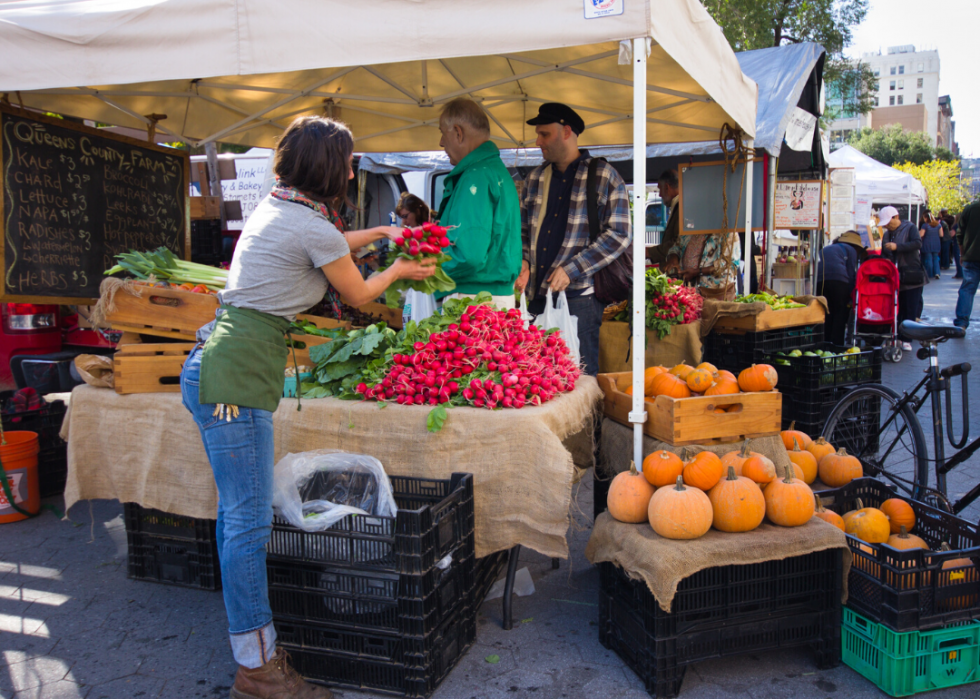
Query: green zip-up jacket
{"x": 480, "y": 199}
{"x": 968, "y": 234}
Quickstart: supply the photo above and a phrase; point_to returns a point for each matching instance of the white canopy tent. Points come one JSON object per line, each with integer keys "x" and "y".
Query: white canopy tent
{"x": 884, "y": 184}
{"x": 239, "y": 71}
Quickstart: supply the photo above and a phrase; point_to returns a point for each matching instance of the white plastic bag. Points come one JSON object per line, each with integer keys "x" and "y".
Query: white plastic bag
{"x": 418, "y": 306}
{"x": 355, "y": 483}
{"x": 526, "y": 316}
{"x": 558, "y": 316}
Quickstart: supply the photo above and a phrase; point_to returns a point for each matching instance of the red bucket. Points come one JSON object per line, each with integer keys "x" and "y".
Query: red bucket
{"x": 19, "y": 456}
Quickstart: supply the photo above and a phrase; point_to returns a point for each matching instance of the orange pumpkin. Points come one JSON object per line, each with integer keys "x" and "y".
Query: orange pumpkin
{"x": 869, "y": 564}
{"x": 789, "y": 501}
{"x": 736, "y": 459}
{"x": 903, "y": 541}
{"x": 758, "y": 377}
{"x": 868, "y": 524}
{"x": 900, "y": 514}
{"x": 708, "y": 366}
{"x": 629, "y": 390}
{"x": 725, "y": 374}
{"x": 759, "y": 469}
{"x": 820, "y": 448}
{"x": 679, "y": 512}
{"x": 960, "y": 572}
{"x": 827, "y": 515}
{"x": 648, "y": 377}
{"x": 858, "y": 506}
{"x": 839, "y": 469}
{"x": 722, "y": 387}
{"x": 667, "y": 384}
{"x": 792, "y": 434}
{"x": 629, "y": 495}
{"x": 661, "y": 468}
{"x": 737, "y": 503}
{"x": 805, "y": 460}
{"x": 954, "y": 562}
{"x": 703, "y": 471}
{"x": 681, "y": 371}
{"x": 699, "y": 380}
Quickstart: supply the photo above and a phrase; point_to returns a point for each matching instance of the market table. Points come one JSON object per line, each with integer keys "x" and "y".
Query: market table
{"x": 145, "y": 448}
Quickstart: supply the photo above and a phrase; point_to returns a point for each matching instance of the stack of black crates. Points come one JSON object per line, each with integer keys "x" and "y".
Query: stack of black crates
{"x": 734, "y": 350}
{"x": 45, "y": 420}
{"x": 171, "y": 549}
{"x": 382, "y": 603}
{"x": 723, "y": 611}
{"x": 206, "y": 242}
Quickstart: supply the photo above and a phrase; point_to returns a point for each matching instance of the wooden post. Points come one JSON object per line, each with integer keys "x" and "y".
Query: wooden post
{"x": 211, "y": 149}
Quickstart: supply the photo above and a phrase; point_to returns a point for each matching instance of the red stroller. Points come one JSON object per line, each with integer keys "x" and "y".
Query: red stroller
{"x": 876, "y": 305}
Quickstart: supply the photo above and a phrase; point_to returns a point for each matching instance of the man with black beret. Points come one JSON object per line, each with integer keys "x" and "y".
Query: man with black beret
{"x": 558, "y": 252}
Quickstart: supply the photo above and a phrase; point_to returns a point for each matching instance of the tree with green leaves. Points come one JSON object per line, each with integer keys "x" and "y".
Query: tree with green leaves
{"x": 942, "y": 182}
{"x": 758, "y": 24}
{"x": 892, "y": 144}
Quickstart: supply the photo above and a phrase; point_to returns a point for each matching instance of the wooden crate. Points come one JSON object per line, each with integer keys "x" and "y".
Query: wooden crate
{"x": 303, "y": 355}
{"x": 772, "y": 320}
{"x": 693, "y": 420}
{"x": 172, "y": 313}
{"x": 204, "y": 208}
{"x": 391, "y": 316}
{"x": 324, "y": 323}
{"x": 790, "y": 270}
{"x": 149, "y": 367}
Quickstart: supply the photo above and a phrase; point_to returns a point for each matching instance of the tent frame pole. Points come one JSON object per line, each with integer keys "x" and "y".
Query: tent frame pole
{"x": 638, "y": 415}
{"x": 770, "y": 227}
{"x": 747, "y": 258}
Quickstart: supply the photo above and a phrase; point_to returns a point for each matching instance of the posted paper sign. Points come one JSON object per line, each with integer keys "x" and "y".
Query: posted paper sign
{"x": 798, "y": 205}
{"x": 603, "y": 8}
{"x": 799, "y": 131}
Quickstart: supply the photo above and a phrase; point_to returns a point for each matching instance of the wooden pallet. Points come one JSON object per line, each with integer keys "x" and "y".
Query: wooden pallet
{"x": 769, "y": 319}
{"x": 172, "y": 313}
{"x": 683, "y": 421}
{"x": 149, "y": 367}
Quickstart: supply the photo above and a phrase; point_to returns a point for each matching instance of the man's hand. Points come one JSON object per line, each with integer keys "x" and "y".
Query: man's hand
{"x": 559, "y": 280}
{"x": 891, "y": 246}
{"x": 523, "y": 277}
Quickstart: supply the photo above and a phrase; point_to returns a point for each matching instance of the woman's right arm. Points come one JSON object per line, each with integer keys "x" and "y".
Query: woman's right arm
{"x": 344, "y": 276}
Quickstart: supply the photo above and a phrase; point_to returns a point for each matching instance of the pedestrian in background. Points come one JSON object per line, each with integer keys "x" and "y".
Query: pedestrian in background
{"x": 901, "y": 243}
{"x": 411, "y": 210}
{"x": 932, "y": 235}
{"x": 968, "y": 237}
{"x": 945, "y": 253}
{"x": 954, "y": 247}
{"x": 836, "y": 277}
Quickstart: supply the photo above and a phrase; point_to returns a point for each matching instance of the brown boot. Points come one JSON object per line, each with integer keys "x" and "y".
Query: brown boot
{"x": 275, "y": 680}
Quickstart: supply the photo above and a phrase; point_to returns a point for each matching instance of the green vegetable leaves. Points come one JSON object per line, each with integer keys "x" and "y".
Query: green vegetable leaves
{"x": 436, "y": 418}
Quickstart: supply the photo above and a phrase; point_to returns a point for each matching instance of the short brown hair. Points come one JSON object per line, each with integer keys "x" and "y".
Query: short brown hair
{"x": 414, "y": 205}
{"x": 465, "y": 112}
{"x": 313, "y": 156}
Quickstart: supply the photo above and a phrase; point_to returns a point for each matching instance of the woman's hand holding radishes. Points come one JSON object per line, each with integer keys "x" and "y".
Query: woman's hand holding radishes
{"x": 426, "y": 245}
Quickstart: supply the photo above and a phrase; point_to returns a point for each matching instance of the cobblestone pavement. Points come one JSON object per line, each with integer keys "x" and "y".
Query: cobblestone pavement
{"x": 72, "y": 625}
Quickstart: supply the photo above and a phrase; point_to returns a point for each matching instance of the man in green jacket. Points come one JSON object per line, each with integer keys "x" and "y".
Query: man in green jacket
{"x": 480, "y": 206}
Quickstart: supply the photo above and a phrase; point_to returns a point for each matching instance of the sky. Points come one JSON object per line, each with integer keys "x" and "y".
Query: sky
{"x": 950, "y": 26}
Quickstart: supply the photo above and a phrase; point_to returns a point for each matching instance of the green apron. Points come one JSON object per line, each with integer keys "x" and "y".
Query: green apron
{"x": 244, "y": 360}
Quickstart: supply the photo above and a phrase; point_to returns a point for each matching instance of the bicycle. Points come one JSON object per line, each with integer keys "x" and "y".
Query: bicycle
{"x": 881, "y": 427}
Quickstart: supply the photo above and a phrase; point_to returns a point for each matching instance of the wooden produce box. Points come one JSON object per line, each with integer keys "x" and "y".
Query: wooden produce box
{"x": 391, "y": 316}
{"x": 303, "y": 355}
{"x": 324, "y": 323}
{"x": 790, "y": 270}
{"x": 149, "y": 367}
{"x": 172, "y": 313}
{"x": 772, "y": 320}
{"x": 683, "y": 421}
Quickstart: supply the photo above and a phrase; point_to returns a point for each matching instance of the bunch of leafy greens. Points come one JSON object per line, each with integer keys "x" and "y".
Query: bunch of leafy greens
{"x": 656, "y": 282}
{"x": 440, "y": 281}
{"x": 776, "y": 303}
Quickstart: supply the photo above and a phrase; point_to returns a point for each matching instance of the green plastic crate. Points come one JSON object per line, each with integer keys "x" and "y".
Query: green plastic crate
{"x": 901, "y": 664}
{"x": 289, "y": 387}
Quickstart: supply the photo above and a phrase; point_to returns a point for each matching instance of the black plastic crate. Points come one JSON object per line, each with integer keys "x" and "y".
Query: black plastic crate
{"x": 174, "y": 561}
{"x": 434, "y": 517}
{"x": 52, "y": 470}
{"x": 909, "y": 590}
{"x": 736, "y": 352}
{"x": 809, "y": 407}
{"x": 818, "y": 373}
{"x": 369, "y": 600}
{"x": 487, "y": 571}
{"x": 206, "y": 242}
{"x": 662, "y": 661}
{"x": 144, "y": 520}
{"x": 366, "y": 670}
{"x": 731, "y": 594}
{"x": 52, "y": 460}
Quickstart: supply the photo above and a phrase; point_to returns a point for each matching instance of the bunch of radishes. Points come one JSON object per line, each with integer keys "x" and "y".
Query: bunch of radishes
{"x": 427, "y": 239}
{"x": 680, "y": 304}
{"x": 488, "y": 360}
{"x": 691, "y": 301}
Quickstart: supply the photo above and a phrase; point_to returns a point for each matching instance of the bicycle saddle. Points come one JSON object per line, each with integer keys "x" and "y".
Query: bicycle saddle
{"x": 930, "y": 333}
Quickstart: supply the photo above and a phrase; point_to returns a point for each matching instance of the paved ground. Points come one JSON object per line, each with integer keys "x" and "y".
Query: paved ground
{"x": 72, "y": 625}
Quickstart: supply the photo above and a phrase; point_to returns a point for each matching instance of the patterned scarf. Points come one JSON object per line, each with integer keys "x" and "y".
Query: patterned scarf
{"x": 297, "y": 197}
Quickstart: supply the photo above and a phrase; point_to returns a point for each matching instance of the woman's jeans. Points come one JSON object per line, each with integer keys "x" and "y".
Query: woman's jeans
{"x": 944, "y": 259}
{"x": 931, "y": 262}
{"x": 909, "y": 307}
{"x": 242, "y": 457}
{"x": 968, "y": 289}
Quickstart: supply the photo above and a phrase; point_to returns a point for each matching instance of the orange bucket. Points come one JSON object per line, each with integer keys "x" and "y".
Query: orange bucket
{"x": 19, "y": 457}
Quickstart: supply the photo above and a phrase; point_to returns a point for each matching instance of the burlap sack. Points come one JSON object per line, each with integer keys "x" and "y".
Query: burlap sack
{"x": 616, "y": 449}
{"x": 663, "y": 563}
{"x": 95, "y": 370}
{"x": 145, "y": 448}
{"x": 713, "y": 310}
{"x": 682, "y": 344}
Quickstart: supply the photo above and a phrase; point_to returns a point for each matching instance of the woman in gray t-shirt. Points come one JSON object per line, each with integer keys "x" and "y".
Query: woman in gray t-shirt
{"x": 288, "y": 252}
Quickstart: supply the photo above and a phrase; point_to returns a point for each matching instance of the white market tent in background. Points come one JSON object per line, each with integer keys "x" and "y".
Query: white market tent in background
{"x": 883, "y": 184}
{"x": 239, "y": 72}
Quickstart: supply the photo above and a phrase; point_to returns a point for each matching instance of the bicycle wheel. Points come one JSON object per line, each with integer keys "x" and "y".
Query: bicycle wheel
{"x": 889, "y": 442}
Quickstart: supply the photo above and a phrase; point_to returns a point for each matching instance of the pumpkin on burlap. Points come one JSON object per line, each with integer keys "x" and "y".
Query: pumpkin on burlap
{"x": 789, "y": 501}
{"x": 662, "y": 468}
{"x": 737, "y": 503}
{"x": 820, "y": 448}
{"x": 839, "y": 469}
{"x": 805, "y": 460}
{"x": 678, "y": 512}
{"x": 629, "y": 495}
{"x": 759, "y": 469}
{"x": 791, "y": 435}
{"x": 703, "y": 471}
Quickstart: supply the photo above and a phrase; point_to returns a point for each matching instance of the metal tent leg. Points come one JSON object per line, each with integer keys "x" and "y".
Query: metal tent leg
{"x": 515, "y": 553}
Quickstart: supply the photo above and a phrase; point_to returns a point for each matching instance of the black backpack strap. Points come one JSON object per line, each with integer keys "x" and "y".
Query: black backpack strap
{"x": 592, "y": 199}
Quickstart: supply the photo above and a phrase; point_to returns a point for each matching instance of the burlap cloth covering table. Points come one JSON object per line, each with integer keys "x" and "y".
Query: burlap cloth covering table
{"x": 663, "y": 563}
{"x": 681, "y": 344}
{"x": 713, "y": 310}
{"x": 145, "y": 448}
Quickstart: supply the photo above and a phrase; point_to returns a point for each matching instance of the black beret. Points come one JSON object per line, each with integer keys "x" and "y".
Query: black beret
{"x": 557, "y": 113}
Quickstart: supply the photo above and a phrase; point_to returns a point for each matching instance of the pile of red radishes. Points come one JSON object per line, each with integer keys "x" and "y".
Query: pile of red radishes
{"x": 428, "y": 239}
{"x": 487, "y": 360}
{"x": 680, "y": 305}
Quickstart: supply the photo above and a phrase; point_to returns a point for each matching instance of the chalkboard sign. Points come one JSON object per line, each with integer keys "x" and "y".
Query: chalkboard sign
{"x": 74, "y": 197}
{"x": 701, "y": 200}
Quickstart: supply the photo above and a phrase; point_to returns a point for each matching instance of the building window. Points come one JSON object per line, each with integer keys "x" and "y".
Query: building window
{"x": 901, "y": 84}
{"x": 920, "y": 67}
{"x": 877, "y": 100}
{"x": 901, "y": 70}
{"x": 891, "y": 84}
{"x": 892, "y": 70}
{"x": 918, "y": 98}
{"x": 918, "y": 83}
{"x": 877, "y": 72}
{"x": 891, "y": 101}
{"x": 901, "y": 99}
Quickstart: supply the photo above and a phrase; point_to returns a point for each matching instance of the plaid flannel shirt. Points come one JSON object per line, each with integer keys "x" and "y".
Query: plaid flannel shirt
{"x": 577, "y": 257}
